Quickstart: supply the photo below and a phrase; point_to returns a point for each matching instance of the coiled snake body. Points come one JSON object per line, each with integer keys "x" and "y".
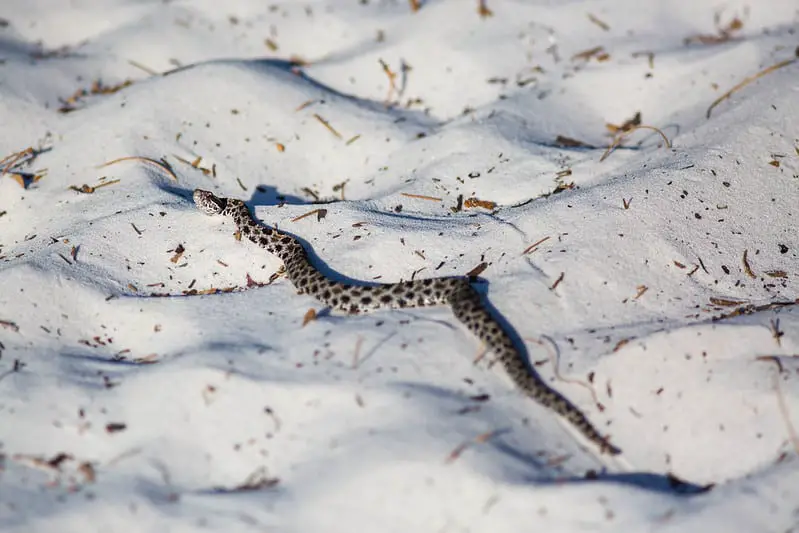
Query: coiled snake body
{"x": 456, "y": 292}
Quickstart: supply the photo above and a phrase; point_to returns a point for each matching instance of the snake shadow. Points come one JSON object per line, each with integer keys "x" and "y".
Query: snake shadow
{"x": 517, "y": 462}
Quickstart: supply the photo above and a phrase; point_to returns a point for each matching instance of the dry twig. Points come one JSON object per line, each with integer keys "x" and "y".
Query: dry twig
{"x": 420, "y": 196}
{"x": 617, "y": 140}
{"x": 750, "y": 79}
{"x": 162, "y": 164}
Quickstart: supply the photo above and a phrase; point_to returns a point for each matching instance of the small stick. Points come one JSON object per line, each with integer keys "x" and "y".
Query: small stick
{"x": 163, "y": 165}
{"x": 420, "y": 196}
{"x": 327, "y": 125}
{"x": 598, "y": 22}
{"x": 146, "y": 69}
{"x": 557, "y": 281}
{"x": 747, "y": 268}
{"x": 392, "y": 80}
{"x": 624, "y": 133}
{"x": 535, "y": 244}
{"x": 304, "y": 105}
{"x": 750, "y": 79}
{"x": 309, "y": 213}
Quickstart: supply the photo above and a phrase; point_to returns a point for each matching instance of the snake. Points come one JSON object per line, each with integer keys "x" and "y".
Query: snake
{"x": 353, "y": 298}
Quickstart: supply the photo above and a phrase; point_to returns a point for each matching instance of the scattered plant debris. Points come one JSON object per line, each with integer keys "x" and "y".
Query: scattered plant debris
{"x": 89, "y": 189}
{"x": 70, "y": 103}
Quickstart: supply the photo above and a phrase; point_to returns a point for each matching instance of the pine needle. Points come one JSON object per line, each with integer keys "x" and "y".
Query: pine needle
{"x": 163, "y": 165}
{"x": 617, "y": 140}
{"x": 750, "y": 79}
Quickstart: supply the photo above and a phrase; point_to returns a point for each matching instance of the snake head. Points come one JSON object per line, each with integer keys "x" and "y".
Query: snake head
{"x": 208, "y": 202}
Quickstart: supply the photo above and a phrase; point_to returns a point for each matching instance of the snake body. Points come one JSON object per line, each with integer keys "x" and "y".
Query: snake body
{"x": 456, "y": 292}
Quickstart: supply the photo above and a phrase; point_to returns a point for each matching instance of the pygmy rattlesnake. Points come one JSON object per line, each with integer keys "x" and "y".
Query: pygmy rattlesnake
{"x": 465, "y": 302}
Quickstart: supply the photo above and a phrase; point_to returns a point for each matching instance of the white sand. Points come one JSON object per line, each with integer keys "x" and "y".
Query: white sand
{"x": 355, "y": 423}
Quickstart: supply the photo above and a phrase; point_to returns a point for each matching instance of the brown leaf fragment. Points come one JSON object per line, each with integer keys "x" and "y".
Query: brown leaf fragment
{"x": 252, "y": 283}
{"x": 476, "y": 202}
{"x": 7, "y": 324}
{"x": 114, "y": 427}
{"x": 621, "y": 344}
{"x": 476, "y": 271}
{"x": 776, "y": 274}
{"x": 24, "y": 180}
{"x": 178, "y": 254}
{"x": 483, "y": 10}
{"x": 627, "y": 125}
{"x": 280, "y": 147}
{"x": 724, "y": 34}
{"x": 310, "y": 316}
{"x": 88, "y": 472}
{"x": 56, "y": 461}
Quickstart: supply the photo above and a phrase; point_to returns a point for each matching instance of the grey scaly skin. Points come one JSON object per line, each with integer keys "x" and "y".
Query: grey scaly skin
{"x": 457, "y": 292}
